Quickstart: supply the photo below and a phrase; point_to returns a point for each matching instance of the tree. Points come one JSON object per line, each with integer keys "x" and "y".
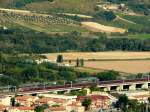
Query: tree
{"x": 94, "y": 88}
{"x": 123, "y": 102}
{"x": 41, "y": 108}
{"x": 105, "y": 15}
{"x": 68, "y": 75}
{"x": 30, "y": 72}
{"x": 13, "y": 102}
{"x": 86, "y": 103}
{"x": 77, "y": 63}
{"x": 149, "y": 100}
{"x": 5, "y": 110}
{"x": 108, "y": 75}
{"x": 59, "y": 59}
{"x": 133, "y": 105}
{"x": 82, "y": 62}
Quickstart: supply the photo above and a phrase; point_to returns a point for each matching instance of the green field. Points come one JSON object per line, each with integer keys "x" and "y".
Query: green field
{"x": 69, "y": 6}
{"x": 140, "y": 36}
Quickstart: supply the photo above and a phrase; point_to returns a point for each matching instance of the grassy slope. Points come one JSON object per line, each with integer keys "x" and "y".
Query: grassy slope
{"x": 81, "y": 7}
{"x": 70, "y": 6}
{"x": 65, "y": 5}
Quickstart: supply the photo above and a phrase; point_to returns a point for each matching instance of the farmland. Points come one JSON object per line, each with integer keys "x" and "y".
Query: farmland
{"x": 101, "y": 55}
{"x": 134, "y": 66}
{"x": 128, "y": 62}
{"x": 39, "y": 22}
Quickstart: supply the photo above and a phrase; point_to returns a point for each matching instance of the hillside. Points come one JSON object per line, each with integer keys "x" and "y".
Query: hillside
{"x": 118, "y": 15}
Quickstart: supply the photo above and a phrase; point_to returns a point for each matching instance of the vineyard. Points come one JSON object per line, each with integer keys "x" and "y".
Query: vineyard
{"x": 38, "y": 21}
{"x": 34, "y": 17}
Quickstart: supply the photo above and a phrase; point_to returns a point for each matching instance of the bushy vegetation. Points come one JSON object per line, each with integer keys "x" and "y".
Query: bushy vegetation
{"x": 16, "y": 40}
{"x": 105, "y": 15}
{"x": 18, "y": 69}
{"x": 128, "y": 105}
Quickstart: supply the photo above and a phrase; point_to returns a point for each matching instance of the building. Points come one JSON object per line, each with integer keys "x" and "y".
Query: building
{"x": 140, "y": 96}
{"x": 60, "y": 98}
{"x": 98, "y": 101}
{"x": 26, "y": 100}
{"x": 5, "y": 100}
{"x": 55, "y": 109}
{"x": 51, "y": 101}
{"x": 75, "y": 106}
{"x": 21, "y": 109}
{"x": 2, "y": 107}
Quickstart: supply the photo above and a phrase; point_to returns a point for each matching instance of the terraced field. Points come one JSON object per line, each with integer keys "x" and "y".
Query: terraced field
{"x": 39, "y": 22}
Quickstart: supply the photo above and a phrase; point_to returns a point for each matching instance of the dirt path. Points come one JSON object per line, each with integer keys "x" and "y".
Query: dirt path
{"x": 102, "y": 28}
{"x": 118, "y": 17}
{"x": 80, "y": 15}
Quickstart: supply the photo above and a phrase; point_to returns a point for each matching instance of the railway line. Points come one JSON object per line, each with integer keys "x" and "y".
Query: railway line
{"x": 83, "y": 85}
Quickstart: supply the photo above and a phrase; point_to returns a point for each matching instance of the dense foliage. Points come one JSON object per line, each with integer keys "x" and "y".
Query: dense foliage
{"x": 20, "y": 69}
{"x": 105, "y": 15}
{"x": 12, "y": 41}
{"x": 127, "y": 105}
{"x": 20, "y": 3}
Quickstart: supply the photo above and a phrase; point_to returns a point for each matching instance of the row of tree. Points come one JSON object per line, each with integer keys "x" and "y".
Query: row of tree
{"x": 16, "y": 40}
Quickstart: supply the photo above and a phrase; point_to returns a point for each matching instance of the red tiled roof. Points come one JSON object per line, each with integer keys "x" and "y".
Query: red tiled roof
{"x": 25, "y": 108}
{"x": 94, "y": 97}
{"x": 44, "y": 100}
{"x": 57, "y": 109}
{"x": 77, "y": 103}
{"x": 140, "y": 96}
{"x": 2, "y": 107}
{"x": 58, "y": 100}
{"x": 81, "y": 98}
{"x": 25, "y": 97}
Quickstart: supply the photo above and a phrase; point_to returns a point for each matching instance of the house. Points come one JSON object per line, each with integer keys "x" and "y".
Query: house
{"x": 51, "y": 101}
{"x": 55, "y": 109}
{"x": 140, "y": 98}
{"x": 2, "y": 107}
{"x": 42, "y": 101}
{"x": 26, "y": 100}
{"x": 98, "y": 101}
{"x": 5, "y": 100}
{"x": 60, "y": 99}
{"x": 21, "y": 109}
{"x": 75, "y": 106}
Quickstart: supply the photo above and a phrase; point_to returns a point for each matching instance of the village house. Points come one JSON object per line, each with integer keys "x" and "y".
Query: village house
{"x": 26, "y": 100}
{"x": 5, "y": 100}
{"x": 2, "y": 107}
{"x": 21, "y": 109}
{"x": 51, "y": 101}
{"x": 60, "y": 99}
{"x": 75, "y": 106}
{"x": 98, "y": 101}
{"x": 55, "y": 109}
{"x": 140, "y": 96}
